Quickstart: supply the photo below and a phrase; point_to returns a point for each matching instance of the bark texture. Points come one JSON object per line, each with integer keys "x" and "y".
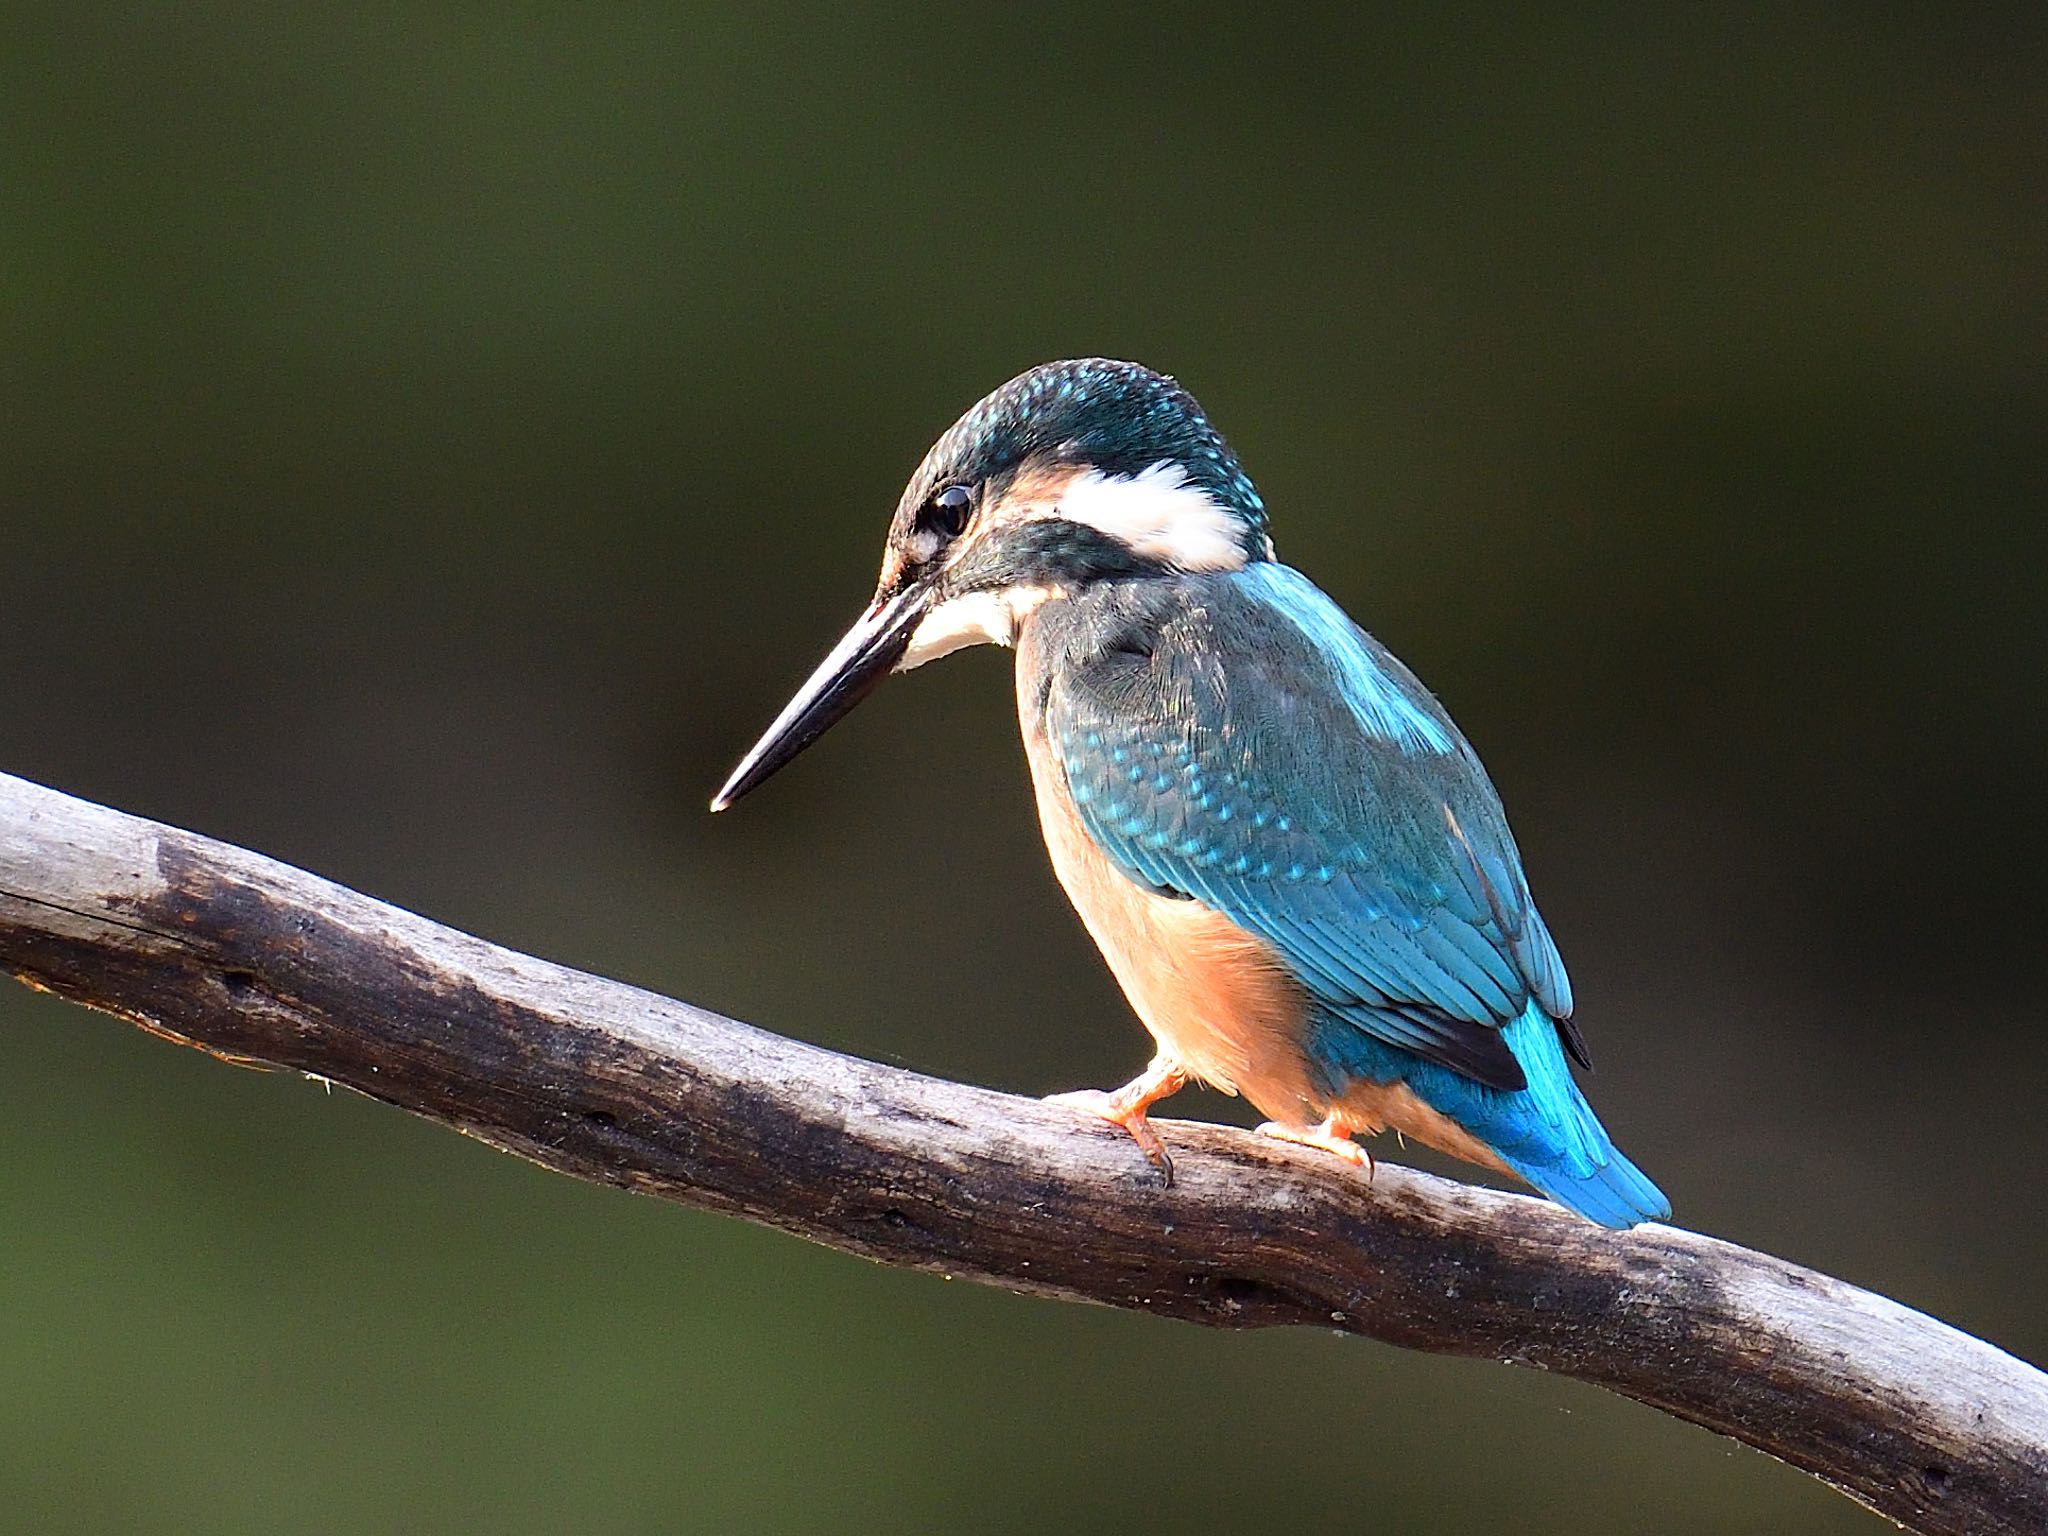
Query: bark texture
{"x": 213, "y": 946}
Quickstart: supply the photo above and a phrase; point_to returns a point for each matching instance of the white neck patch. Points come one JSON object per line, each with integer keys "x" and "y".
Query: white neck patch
{"x": 977, "y": 618}
{"x": 1159, "y": 515}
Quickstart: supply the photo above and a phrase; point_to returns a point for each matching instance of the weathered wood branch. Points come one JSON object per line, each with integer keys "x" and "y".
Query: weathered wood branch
{"x": 254, "y": 960}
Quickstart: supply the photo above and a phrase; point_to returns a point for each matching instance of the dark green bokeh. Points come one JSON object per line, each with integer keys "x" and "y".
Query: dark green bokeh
{"x": 436, "y": 437}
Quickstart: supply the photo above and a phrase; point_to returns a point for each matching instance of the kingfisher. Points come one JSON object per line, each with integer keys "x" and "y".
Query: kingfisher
{"x": 1293, "y": 862}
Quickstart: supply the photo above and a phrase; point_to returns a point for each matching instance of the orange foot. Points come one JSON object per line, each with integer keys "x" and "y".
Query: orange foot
{"x": 1126, "y": 1107}
{"x": 1332, "y": 1136}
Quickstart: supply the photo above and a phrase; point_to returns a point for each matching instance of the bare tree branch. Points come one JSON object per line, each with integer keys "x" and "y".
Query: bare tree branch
{"x": 257, "y": 961}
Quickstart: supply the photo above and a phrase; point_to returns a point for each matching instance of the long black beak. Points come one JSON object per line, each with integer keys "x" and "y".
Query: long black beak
{"x": 858, "y": 663}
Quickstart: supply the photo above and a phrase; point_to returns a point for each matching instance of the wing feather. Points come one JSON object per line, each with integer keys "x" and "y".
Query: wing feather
{"x": 1254, "y": 750}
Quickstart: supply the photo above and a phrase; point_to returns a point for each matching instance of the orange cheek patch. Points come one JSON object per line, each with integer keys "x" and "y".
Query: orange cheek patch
{"x": 892, "y": 569}
{"x": 1038, "y": 488}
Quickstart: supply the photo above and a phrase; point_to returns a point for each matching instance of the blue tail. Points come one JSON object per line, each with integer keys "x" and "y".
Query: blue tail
{"x": 1551, "y": 1137}
{"x": 1546, "y": 1132}
{"x": 1618, "y": 1195}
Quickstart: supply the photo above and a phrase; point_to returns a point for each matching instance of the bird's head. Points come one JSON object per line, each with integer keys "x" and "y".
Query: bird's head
{"x": 1071, "y": 474}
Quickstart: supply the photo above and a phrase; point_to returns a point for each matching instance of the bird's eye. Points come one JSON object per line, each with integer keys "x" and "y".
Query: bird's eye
{"x": 947, "y": 513}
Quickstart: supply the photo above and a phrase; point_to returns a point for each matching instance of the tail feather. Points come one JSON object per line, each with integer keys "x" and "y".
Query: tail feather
{"x": 1616, "y": 1195}
{"x": 1545, "y": 1132}
{"x": 1555, "y": 1141}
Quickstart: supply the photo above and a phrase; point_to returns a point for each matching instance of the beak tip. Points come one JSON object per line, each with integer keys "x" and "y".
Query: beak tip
{"x": 865, "y": 655}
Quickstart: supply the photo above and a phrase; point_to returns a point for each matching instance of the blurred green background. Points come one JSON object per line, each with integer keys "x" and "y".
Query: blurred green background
{"x": 436, "y": 437}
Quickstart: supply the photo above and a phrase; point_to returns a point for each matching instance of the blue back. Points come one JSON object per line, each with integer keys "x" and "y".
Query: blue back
{"x": 1235, "y": 739}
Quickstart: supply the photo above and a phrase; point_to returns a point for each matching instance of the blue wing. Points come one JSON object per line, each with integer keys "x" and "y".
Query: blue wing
{"x": 1244, "y": 744}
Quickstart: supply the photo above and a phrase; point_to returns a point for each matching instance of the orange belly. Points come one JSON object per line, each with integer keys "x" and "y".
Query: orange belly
{"x": 1217, "y": 999}
{"x": 1367, "y": 1108}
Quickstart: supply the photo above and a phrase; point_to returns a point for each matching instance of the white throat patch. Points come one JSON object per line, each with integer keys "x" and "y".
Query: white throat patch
{"x": 1159, "y": 515}
{"x": 977, "y": 618}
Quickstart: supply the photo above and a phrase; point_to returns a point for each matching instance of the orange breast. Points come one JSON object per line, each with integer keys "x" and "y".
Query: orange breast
{"x": 1217, "y": 999}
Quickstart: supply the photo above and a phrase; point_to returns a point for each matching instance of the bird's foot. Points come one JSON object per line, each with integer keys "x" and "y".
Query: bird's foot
{"x": 1110, "y": 1107}
{"x": 1127, "y": 1106}
{"x": 1332, "y": 1136}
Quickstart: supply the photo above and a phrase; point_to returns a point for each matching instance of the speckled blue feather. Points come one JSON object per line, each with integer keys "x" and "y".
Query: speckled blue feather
{"x": 1235, "y": 739}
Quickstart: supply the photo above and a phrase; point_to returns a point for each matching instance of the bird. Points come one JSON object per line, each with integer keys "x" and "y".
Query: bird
{"x": 1293, "y": 862}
